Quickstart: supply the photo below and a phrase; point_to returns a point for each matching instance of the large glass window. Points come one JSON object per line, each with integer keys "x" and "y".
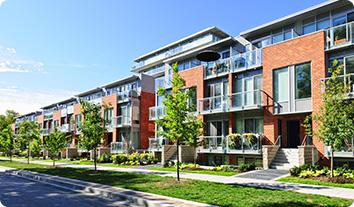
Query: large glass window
{"x": 303, "y": 81}
{"x": 108, "y": 116}
{"x": 349, "y": 65}
{"x": 281, "y": 84}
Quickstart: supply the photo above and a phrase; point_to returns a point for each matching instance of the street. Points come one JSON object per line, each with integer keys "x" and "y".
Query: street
{"x": 16, "y": 192}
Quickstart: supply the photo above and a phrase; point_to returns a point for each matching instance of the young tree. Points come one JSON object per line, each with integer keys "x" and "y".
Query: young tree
{"x": 336, "y": 114}
{"x": 55, "y": 143}
{"x": 7, "y": 144}
{"x": 28, "y": 132}
{"x": 92, "y": 128}
{"x": 178, "y": 121}
{"x": 36, "y": 147}
{"x": 8, "y": 119}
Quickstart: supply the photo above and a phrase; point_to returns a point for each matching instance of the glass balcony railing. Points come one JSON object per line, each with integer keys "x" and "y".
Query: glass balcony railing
{"x": 117, "y": 147}
{"x": 339, "y": 36}
{"x": 157, "y": 112}
{"x": 346, "y": 80}
{"x": 156, "y": 143}
{"x": 126, "y": 95}
{"x": 247, "y": 60}
{"x": 217, "y": 68}
{"x": 245, "y": 143}
{"x": 246, "y": 99}
{"x": 46, "y": 131}
{"x": 123, "y": 121}
{"x": 213, "y": 104}
{"x": 66, "y": 128}
{"x": 234, "y": 102}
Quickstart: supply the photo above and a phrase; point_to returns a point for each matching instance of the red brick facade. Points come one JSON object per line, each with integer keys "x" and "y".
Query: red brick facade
{"x": 147, "y": 128}
{"x": 309, "y": 48}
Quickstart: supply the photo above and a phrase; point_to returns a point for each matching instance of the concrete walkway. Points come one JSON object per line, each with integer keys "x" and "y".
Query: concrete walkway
{"x": 270, "y": 174}
{"x": 345, "y": 193}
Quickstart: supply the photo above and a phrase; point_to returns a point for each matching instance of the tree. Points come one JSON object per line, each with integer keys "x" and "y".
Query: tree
{"x": 27, "y": 133}
{"x": 8, "y": 119}
{"x": 7, "y": 144}
{"x": 55, "y": 143}
{"x": 36, "y": 147}
{"x": 336, "y": 115}
{"x": 180, "y": 125}
{"x": 92, "y": 128}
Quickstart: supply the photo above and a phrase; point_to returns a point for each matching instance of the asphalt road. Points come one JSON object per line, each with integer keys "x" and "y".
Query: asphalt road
{"x": 18, "y": 192}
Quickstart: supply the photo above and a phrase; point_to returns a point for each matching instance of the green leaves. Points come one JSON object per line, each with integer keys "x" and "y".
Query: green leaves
{"x": 92, "y": 127}
{"x": 179, "y": 123}
{"x": 27, "y": 132}
{"x": 336, "y": 116}
{"x": 56, "y": 142}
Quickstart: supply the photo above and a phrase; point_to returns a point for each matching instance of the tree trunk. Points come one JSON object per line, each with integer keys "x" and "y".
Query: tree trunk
{"x": 177, "y": 160}
{"x": 195, "y": 157}
{"x": 10, "y": 155}
{"x": 332, "y": 162}
{"x": 53, "y": 162}
{"x": 28, "y": 154}
{"x": 94, "y": 159}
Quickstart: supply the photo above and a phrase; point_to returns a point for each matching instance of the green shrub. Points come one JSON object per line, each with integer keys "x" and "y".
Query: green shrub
{"x": 189, "y": 166}
{"x": 104, "y": 158}
{"x": 246, "y": 167}
{"x": 133, "y": 159}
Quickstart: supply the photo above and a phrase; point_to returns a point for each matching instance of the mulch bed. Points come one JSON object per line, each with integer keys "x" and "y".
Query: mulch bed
{"x": 338, "y": 179}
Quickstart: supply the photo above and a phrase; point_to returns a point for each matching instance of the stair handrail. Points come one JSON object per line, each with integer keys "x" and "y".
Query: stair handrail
{"x": 304, "y": 141}
{"x": 278, "y": 141}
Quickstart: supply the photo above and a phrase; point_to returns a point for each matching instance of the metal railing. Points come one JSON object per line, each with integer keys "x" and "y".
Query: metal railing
{"x": 307, "y": 141}
{"x": 339, "y": 36}
{"x": 245, "y": 143}
{"x": 157, "y": 112}
{"x": 348, "y": 81}
{"x": 126, "y": 95}
{"x": 217, "y": 68}
{"x": 156, "y": 143}
{"x": 46, "y": 131}
{"x": 123, "y": 121}
{"x": 246, "y": 60}
{"x": 246, "y": 99}
{"x": 117, "y": 147}
{"x": 66, "y": 128}
{"x": 234, "y": 102}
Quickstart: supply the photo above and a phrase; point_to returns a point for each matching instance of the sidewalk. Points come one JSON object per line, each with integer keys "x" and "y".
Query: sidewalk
{"x": 344, "y": 193}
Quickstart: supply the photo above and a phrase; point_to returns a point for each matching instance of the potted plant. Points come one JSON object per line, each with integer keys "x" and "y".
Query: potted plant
{"x": 234, "y": 141}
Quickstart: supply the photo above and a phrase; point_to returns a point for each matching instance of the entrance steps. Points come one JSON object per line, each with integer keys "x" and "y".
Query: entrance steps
{"x": 285, "y": 159}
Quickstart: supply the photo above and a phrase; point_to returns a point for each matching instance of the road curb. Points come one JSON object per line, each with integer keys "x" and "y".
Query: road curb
{"x": 105, "y": 191}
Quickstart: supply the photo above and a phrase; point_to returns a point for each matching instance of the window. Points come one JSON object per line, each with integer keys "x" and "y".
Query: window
{"x": 309, "y": 25}
{"x": 193, "y": 100}
{"x": 78, "y": 119}
{"x": 225, "y": 55}
{"x": 303, "y": 81}
{"x": 277, "y": 36}
{"x": 349, "y": 65}
{"x": 108, "y": 116}
{"x": 339, "y": 20}
{"x": 281, "y": 87}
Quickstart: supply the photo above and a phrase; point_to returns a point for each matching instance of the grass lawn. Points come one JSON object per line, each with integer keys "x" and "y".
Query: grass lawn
{"x": 200, "y": 191}
{"x": 172, "y": 169}
{"x": 292, "y": 179}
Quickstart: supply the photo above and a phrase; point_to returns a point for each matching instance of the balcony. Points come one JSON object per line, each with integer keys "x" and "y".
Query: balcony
{"x": 156, "y": 144}
{"x": 46, "y": 131}
{"x": 126, "y": 96}
{"x": 217, "y": 68}
{"x": 117, "y": 147}
{"x": 122, "y": 121}
{"x": 238, "y": 144}
{"x": 157, "y": 112}
{"x": 339, "y": 36}
{"x": 347, "y": 80}
{"x": 66, "y": 128}
{"x": 246, "y": 60}
{"x": 109, "y": 127}
{"x": 236, "y": 102}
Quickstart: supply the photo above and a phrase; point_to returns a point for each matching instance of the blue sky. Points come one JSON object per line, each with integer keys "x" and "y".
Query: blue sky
{"x": 50, "y": 50}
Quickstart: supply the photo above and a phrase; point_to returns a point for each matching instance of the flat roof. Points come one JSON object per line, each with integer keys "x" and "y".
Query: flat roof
{"x": 213, "y": 29}
{"x": 121, "y": 81}
{"x": 292, "y": 16}
{"x": 29, "y": 114}
{"x": 59, "y": 103}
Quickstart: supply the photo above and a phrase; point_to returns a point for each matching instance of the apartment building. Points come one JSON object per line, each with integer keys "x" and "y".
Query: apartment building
{"x": 266, "y": 81}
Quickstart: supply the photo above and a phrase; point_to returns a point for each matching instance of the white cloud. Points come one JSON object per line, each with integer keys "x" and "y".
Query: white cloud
{"x": 25, "y": 101}
{"x": 2, "y": 2}
{"x": 10, "y": 61}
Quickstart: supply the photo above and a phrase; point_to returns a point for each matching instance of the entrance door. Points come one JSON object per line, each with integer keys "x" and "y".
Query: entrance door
{"x": 293, "y": 133}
